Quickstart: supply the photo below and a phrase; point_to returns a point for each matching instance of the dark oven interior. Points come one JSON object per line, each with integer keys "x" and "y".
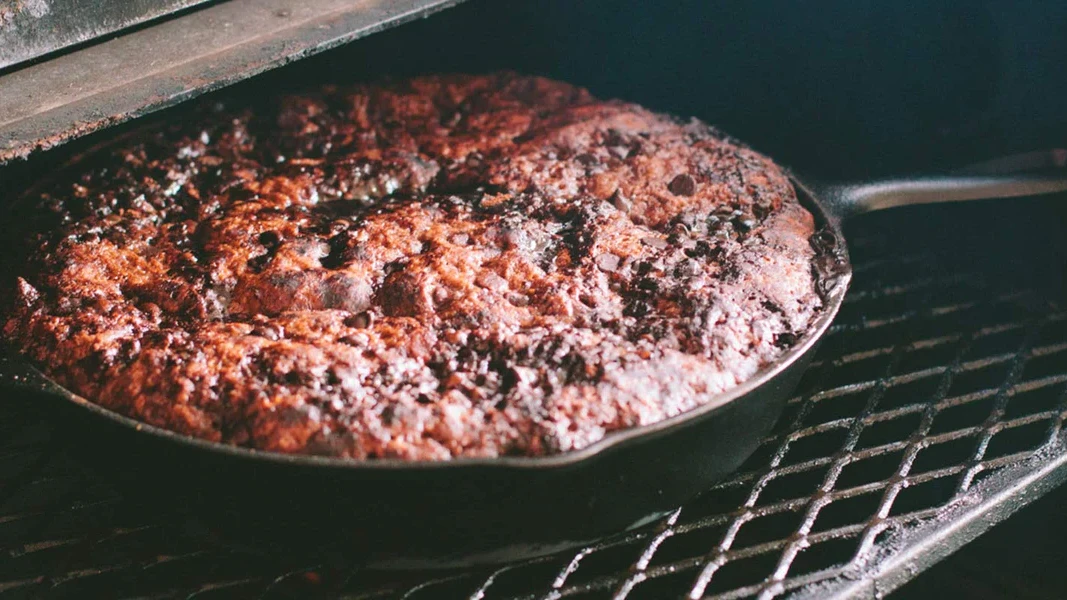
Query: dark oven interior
{"x": 944, "y": 378}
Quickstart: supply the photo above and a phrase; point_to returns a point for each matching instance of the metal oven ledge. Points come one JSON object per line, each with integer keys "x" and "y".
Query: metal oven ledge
{"x": 73, "y": 94}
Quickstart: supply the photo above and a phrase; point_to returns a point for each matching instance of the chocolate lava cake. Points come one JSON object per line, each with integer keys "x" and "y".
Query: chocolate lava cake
{"x": 446, "y": 266}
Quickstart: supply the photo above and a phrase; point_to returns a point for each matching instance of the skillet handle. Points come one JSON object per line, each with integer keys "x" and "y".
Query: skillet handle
{"x": 1030, "y": 174}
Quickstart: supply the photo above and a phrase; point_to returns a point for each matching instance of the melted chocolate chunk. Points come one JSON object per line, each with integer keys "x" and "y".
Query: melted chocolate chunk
{"x": 683, "y": 185}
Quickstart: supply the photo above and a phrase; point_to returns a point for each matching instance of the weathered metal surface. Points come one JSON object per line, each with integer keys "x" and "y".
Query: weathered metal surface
{"x": 54, "y": 101}
{"x": 33, "y": 28}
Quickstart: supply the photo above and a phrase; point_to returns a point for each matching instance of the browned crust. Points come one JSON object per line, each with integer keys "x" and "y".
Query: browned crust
{"x": 438, "y": 267}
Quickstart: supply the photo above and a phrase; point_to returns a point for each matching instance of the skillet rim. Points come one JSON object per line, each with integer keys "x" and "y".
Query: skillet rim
{"x": 833, "y": 299}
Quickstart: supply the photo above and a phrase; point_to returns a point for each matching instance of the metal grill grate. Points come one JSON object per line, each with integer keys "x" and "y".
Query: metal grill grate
{"x": 935, "y": 405}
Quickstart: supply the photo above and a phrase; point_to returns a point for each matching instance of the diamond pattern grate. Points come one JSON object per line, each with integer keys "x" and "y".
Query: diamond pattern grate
{"x": 934, "y": 379}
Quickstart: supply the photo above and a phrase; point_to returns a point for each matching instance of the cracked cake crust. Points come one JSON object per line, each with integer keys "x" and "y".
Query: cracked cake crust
{"x": 431, "y": 268}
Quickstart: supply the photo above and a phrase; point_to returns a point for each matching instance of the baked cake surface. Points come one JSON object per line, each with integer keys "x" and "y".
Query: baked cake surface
{"x": 438, "y": 267}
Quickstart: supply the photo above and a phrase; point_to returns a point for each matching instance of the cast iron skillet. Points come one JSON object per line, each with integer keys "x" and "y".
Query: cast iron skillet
{"x": 416, "y": 514}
